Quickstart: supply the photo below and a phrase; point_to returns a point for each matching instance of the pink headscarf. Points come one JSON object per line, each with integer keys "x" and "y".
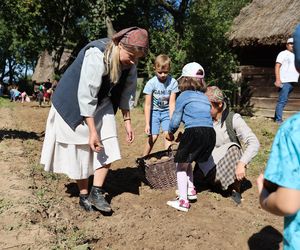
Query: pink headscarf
{"x": 133, "y": 36}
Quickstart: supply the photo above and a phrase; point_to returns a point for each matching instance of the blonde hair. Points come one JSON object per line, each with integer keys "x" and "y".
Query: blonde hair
{"x": 112, "y": 59}
{"x": 161, "y": 62}
{"x": 112, "y": 62}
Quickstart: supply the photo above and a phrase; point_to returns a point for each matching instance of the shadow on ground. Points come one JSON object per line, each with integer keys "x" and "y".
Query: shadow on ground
{"x": 17, "y": 134}
{"x": 118, "y": 181}
{"x": 266, "y": 239}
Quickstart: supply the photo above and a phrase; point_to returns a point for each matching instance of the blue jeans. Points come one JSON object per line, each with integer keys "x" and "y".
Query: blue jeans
{"x": 284, "y": 93}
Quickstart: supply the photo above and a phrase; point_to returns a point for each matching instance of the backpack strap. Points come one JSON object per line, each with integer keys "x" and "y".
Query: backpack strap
{"x": 230, "y": 130}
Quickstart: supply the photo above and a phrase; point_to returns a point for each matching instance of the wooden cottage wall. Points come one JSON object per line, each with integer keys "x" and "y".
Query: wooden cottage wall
{"x": 263, "y": 94}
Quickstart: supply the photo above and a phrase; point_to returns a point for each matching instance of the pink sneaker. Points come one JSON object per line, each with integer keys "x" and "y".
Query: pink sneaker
{"x": 191, "y": 195}
{"x": 180, "y": 204}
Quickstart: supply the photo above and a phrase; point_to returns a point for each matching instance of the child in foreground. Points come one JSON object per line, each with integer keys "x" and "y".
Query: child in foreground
{"x": 279, "y": 187}
{"x": 199, "y": 138}
{"x": 160, "y": 99}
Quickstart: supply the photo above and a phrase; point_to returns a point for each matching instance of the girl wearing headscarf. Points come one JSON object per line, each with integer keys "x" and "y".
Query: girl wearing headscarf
{"x": 81, "y": 137}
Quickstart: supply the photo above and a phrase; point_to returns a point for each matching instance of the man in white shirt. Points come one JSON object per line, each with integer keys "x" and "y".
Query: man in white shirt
{"x": 286, "y": 76}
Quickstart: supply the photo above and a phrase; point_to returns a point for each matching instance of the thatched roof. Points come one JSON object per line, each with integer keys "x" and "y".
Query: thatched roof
{"x": 265, "y": 22}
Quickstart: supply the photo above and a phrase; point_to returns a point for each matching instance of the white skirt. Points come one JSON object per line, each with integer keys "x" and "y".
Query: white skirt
{"x": 63, "y": 153}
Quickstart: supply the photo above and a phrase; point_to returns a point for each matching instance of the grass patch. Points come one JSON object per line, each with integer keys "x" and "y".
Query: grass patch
{"x": 265, "y": 130}
{"x": 4, "y": 205}
{"x": 6, "y": 103}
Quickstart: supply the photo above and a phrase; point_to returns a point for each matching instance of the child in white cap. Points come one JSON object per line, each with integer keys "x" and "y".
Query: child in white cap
{"x": 198, "y": 140}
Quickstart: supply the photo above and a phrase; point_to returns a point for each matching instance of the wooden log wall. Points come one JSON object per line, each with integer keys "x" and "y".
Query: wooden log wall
{"x": 263, "y": 93}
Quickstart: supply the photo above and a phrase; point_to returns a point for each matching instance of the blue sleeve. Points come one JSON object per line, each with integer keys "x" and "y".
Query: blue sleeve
{"x": 297, "y": 47}
{"x": 148, "y": 89}
{"x": 283, "y": 167}
{"x": 174, "y": 86}
{"x": 177, "y": 114}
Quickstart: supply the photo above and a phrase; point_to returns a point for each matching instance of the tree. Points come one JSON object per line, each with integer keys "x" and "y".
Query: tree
{"x": 208, "y": 23}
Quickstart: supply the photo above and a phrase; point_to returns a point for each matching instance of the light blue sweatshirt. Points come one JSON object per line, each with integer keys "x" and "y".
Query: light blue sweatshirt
{"x": 193, "y": 109}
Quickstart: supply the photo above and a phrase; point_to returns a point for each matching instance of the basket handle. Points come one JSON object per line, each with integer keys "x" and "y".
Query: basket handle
{"x": 140, "y": 161}
{"x": 170, "y": 148}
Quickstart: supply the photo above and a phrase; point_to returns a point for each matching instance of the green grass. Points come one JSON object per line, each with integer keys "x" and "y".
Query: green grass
{"x": 6, "y": 103}
{"x": 4, "y": 205}
{"x": 265, "y": 130}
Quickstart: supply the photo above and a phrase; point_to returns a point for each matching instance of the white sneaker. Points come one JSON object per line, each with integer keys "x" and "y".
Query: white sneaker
{"x": 191, "y": 195}
{"x": 180, "y": 205}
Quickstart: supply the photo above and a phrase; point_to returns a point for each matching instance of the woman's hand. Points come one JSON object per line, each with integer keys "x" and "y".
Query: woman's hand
{"x": 129, "y": 131}
{"x": 94, "y": 142}
{"x": 240, "y": 171}
{"x": 169, "y": 136}
{"x": 94, "y": 139}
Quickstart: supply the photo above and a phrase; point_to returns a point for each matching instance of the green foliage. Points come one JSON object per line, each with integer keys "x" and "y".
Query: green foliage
{"x": 55, "y": 25}
{"x": 166, "y": 41}
{"x": 207, "y": 25}
{"x": 98, "y": 11}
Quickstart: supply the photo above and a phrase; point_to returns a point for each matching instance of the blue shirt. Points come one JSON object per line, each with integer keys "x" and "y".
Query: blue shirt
{"x": 283, "y": 168}
{"x": 161, "y": 92}
{"x": 193, "y": 109}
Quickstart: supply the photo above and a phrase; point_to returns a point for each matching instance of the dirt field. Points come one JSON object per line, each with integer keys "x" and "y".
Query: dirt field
{"x": 39, "y": 210}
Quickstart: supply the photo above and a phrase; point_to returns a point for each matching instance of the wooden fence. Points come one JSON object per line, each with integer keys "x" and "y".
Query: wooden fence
{"x": 263, "y": 94}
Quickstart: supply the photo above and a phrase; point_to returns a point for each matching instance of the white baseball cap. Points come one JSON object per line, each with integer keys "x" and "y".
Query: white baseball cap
{"x": 290, "y": 40}
{"x": 192, "y": 70}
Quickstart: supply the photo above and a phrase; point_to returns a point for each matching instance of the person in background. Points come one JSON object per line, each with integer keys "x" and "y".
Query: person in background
{"x": 159, "y": 102}
{"x": 81, "y": 137}
{"x": 279, "y": 186}
{"x": 1, "y": 89}
{"x": 297, "y": 47}
{"x": 199, "y": 138}
{"x": 226, "y": 167}
{"x": 24, "y": 97}
{"x": 286, "y": 77}
{"x": 15, "y": 94}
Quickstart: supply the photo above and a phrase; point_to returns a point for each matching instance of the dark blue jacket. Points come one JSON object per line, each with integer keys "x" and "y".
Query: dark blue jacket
{"x": 65, "y": 99}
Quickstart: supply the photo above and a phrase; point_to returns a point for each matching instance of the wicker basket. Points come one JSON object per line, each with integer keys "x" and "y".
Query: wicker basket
{"x": 160, "y": 174}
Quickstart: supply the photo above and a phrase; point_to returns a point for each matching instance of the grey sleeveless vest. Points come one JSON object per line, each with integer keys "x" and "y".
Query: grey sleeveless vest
{"x": 230, "y": 130}
{"x": 65, "y": 98}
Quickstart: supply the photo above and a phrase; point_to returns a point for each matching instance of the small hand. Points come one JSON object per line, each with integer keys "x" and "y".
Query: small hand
{"x": 169, "y": 136}
{"x": 147, "y": 129}
{"x": 178, "y": 137}
{"x": 260, "y": 183}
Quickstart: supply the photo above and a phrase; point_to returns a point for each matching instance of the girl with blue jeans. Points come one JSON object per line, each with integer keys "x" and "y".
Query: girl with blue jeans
{"x": 199, "y": 138}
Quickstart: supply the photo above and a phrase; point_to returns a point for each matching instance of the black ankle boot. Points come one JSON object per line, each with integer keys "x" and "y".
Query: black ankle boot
{"x": 84, "y": 203}
{"x": 97, "y": 199}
